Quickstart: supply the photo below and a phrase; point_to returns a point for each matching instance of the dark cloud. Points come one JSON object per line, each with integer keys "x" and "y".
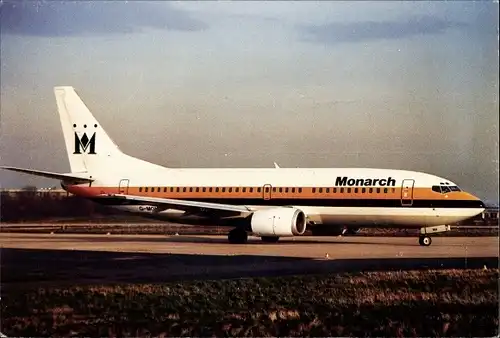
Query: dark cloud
{"x": 370, "y": 30}
{"x": 72, "y": 18}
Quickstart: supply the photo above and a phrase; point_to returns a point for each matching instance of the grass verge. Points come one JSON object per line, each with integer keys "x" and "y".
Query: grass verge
{"x": 404, "y": 303}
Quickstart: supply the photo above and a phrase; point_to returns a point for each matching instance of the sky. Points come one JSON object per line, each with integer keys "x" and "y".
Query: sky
{"x": 400, "y": 85}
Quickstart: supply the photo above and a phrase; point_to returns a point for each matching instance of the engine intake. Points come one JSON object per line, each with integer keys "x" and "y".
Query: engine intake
{"x": 282, "y": 222}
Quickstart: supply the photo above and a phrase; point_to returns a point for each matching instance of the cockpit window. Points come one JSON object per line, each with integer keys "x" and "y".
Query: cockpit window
{"x": 443, "y": 189}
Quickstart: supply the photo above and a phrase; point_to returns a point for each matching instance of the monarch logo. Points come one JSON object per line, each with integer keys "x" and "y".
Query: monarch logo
{"x": 84, "y": 143}
{"x": 360, "y": 182}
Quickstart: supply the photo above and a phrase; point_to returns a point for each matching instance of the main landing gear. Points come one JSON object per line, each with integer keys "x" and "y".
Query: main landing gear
{"x": 424, "y": 239}
{"x": 270, "y": 239}
{"x": 240, "y": 236}
{"x": 237, "y": 236}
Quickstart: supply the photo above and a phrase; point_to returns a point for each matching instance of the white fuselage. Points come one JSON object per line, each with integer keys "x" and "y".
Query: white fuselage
{"x": 325, "y": 197}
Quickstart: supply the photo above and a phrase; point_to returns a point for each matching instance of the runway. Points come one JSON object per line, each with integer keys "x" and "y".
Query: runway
{"x": 44, "y": 259}
{"x": 303, "y": 247}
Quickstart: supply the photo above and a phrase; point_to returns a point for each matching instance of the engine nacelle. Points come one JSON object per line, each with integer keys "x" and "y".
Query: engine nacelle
{"x": 280, "y": 222}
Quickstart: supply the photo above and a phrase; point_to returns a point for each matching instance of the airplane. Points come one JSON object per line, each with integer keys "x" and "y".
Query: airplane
{"x": 265, "y": 202}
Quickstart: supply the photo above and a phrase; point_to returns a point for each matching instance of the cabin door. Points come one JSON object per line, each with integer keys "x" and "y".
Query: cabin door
{"x": 123, "y": 187}
{"x": 266, "y": 191}
{"x": 407, "y": 193}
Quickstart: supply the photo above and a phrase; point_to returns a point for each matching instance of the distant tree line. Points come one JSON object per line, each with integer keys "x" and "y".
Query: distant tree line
{"x": 32, "y": 206}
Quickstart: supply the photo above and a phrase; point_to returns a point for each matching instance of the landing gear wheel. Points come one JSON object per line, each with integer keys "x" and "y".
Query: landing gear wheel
{"x": 237, "y": 236}
{"x": 270, "y": 239}
{"x": 424, "y": 240}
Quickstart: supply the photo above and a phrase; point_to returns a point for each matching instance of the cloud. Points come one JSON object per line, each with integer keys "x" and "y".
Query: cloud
{"x": 336, "y": 33}
{"x": 75, "y": 18}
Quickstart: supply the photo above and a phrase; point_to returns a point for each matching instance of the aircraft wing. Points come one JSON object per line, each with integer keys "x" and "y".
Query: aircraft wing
{"x": 73, "y": 177}
{"x": 168, "y": 203}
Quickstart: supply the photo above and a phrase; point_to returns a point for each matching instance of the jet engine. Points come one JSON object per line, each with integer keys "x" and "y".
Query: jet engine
{"x": 280, "y": 222}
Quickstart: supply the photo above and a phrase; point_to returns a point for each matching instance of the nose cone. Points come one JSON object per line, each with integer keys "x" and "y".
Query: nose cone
{"x": 478, "y": 204}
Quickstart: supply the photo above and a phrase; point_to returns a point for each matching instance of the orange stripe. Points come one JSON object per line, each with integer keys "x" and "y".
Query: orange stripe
{"x": 307, "y": 193}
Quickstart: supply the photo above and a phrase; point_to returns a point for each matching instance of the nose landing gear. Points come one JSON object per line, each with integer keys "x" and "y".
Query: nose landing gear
{"x": 424, "y": 239}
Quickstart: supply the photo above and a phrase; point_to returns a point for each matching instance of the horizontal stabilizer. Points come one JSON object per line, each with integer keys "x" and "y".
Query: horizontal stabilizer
{"x": 73, "y": 177}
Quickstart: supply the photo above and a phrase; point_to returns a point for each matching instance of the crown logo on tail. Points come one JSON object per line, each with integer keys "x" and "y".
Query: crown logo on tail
{"x": 84, "y": 143}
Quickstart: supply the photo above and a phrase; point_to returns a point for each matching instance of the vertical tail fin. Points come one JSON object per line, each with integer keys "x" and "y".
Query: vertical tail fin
{"x": 88, "y": 145}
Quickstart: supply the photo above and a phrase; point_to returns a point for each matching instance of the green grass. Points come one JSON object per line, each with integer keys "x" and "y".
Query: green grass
{"x": 408, "y": 303}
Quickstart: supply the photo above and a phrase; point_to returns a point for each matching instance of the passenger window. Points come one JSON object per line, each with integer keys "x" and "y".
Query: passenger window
{"x": 274, "y": 189}
{"x": 259, "y": 189}
{"x": 184, "y": 189}
{"x": 152, "y": 189}
{"x": 230, "y": 189}
{"x": 140, "y": 189}
{"x": 197, "y": 189}
{"x": 356, "y": 190}
{"x": 171, "y": 189}
{"x": 393, "y": 190}
{"x": 244, "y": 189}
{"x": 237, "y": 189}
{"x": 320, "y": 190}
{"x": 165, "y": 189}
{"x": 327, "y": 190}
{"x": 341, "y": 190}
{"x": 210, "y": 189}
{"x": 223, "y": 189}
{"x": 370, "y": 190}
{"x": 281, "y": 189}
{"x": 348, "y": 190}
{"x": 178, "y": 189}
{"x": 190, "y": 189}
{"x": 314, "y": 190}
{"x": 300, "y": 190}
{"x": 286, "y": 190}
{"x": 217, "y": 189}
{"x": 267, "y": 189}
{"x": 293, "y": 190}
{"x": 386, "y": 190}
{"x": 378, "y": 190}
{"x": 146, "y": 189}
{"x": 363, "y": 190}
{"x": 204, "y": 189}
{"x": 251, "y": 189}
{"x": 334, "y": 190}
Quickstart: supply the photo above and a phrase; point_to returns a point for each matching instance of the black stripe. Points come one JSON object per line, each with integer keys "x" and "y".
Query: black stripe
{"x": 318, "y": 202}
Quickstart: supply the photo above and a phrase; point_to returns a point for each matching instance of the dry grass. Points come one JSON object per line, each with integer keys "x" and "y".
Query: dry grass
{"x": 407, "y": 303}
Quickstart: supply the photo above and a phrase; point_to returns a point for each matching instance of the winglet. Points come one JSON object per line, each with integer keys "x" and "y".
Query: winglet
{"x": 276, "y": 165}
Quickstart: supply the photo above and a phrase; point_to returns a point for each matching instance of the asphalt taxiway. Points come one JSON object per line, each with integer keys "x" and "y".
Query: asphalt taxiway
{"x": 48, "y": 259}
{"x": 304, "y": 247}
